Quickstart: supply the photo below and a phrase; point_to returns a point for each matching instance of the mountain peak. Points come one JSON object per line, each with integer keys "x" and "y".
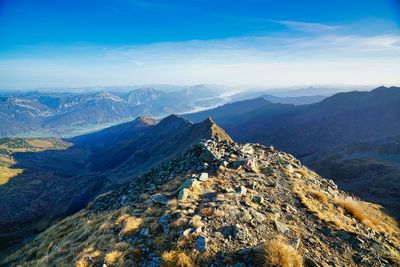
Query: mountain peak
{"x": 217, "y": 132}
{"x": 146, "y": 120}
{"x": 173, "y": 118}
{"x": 210, "y": 120}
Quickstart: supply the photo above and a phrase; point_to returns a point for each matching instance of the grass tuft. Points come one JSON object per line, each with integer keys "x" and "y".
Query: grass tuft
{"x": 114, "y": 257}
{"x": 319, "y": 195}
{"x": 196, "y": 221}
{"x": 367, "y": 213}
{"x": 176, "y": 259}
{"x": 277, "y": 253}
{"x": 131, "y": 224}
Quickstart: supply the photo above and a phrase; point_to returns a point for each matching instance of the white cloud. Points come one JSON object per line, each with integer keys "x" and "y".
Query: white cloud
{"x": 306, "y": 26}
{"x": 261, "y": 61}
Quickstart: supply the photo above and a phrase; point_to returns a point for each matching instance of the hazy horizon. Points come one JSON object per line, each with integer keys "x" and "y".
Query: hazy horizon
{"x": 223, "y": 89}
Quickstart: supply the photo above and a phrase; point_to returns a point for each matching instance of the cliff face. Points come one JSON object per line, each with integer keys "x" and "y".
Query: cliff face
{"x": 221, "y": 203}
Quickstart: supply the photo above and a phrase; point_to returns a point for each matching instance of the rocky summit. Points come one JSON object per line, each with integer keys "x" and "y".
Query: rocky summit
{"x": 221, "y": 204}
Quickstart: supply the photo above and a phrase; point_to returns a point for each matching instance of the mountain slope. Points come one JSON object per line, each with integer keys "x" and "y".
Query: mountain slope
{"x": 295, "y": 100}
{"x": 319, "y": 134}
{"x": 338, "y": 120}
{"x": 20, "y": 114}
{"x": 368, "y": 170}
{"x": 168, "y": 138}
{"x": 96, "y": 108}
{"x": 50, "y": 184}
{"x": 207, "y": 207}
{"x": 116, "y": 135}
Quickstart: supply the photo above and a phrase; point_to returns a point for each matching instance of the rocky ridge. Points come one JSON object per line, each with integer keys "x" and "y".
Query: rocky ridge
{"x": 221, "y": 204}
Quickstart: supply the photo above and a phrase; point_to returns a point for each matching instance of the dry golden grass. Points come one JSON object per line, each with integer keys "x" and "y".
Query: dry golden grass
{"x": 176, "y": 259}
{"x": 40, "y": 144}
{"x": 303, "y": 172}
{"x": 368, "y": 214}
{"x": 197, "y": 189}
{"x": 340, "y": 211}
{"x": 277, "y": 253}
{"x": 219, "y": 213}
{"x": 325, "y": 211}
{"x": 66, "y": 243}
{"x": 7, "y": 173}
{"x": 24, "y": 145}
{"x": 131, "y": 224}
{"x": 319, "y": 195}
{"x": 114, "y": 257}
{"x": 196, "y": 221}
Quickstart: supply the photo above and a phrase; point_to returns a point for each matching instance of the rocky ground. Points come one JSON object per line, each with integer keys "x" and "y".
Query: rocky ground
{"x": 221, "y": 204}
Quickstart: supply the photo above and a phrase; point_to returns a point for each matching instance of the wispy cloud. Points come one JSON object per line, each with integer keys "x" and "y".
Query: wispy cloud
{"x": 306, "y": 26}
{"x": 272, "y": 60}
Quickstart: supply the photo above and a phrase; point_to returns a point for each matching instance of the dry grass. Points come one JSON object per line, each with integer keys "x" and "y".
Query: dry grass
{"x": 325, "y": 211}
{"x": 303, "y": 172}
{"x": 277, "y": 253}
{"x": 196, "y": 221}
{"x": 131, "y": 224}
{"x": 340, "y": 212}
{"x": 21, "y": 145}
{"x": 40, "y": 144}
{"x": 219, "y": 213}
{"x": 7, "y": 173}
{"x": 176, "y": 259}
{"x": 67, "y": 242}
{"x": 319, "y": 195}
{"x": 197, "y": 189}
{"x": 368, "y": 214}
{"x": 114, "y": 257}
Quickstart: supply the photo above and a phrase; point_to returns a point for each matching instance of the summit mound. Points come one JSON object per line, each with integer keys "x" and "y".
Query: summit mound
{"x": 221, "y": 204}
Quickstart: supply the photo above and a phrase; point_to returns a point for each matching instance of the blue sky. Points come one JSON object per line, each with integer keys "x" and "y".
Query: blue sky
{"x": 242, "y": 42}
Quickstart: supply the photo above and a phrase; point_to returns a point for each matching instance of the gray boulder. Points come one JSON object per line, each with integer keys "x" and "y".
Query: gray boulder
{"x": 159, "y": 198}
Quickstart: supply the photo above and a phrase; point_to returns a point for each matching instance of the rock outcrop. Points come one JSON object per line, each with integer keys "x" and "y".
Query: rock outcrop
{"x": 221, "y": 204}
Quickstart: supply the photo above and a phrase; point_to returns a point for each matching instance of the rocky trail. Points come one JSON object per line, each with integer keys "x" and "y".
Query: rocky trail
{"x": 221, "y": 204}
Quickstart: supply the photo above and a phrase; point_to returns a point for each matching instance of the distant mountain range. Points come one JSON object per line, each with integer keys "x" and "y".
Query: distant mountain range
{"x": 37, "y": 113}
{"x": 320, "y": 132}
{"x": 341, "y": 119}
{"x": 77, "y": 111}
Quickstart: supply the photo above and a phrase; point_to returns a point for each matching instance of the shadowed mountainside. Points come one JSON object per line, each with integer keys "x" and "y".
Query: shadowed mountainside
{"x": 319, "y": 134}
{"x": 54, "y": 184}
